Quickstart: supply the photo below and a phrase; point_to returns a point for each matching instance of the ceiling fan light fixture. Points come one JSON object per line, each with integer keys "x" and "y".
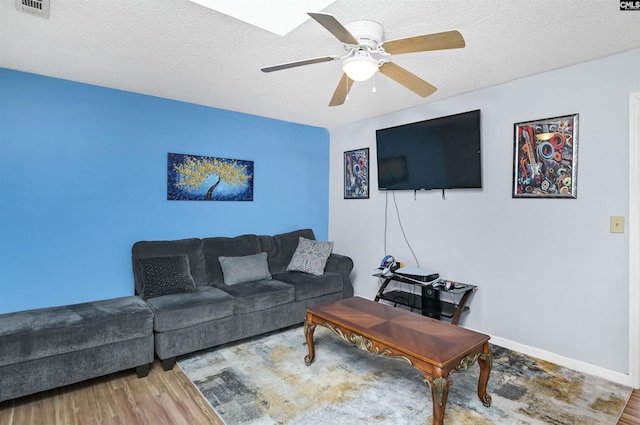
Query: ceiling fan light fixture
{"x": 360, "y": 67}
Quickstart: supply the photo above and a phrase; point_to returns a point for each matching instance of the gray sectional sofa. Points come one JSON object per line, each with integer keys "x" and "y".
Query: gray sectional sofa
{"x": 234, "y": 297}
{"x": 191, "y": 294}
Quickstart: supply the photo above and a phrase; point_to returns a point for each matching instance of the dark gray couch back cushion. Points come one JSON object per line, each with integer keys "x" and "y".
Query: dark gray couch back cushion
{"x": 191, "y": 247}
{"x": 227, "y": 247}
{"x": 280, "y": 248}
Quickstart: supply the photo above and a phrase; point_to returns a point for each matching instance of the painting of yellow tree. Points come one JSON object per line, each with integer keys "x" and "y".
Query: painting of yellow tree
{"x": 204, "y": 178}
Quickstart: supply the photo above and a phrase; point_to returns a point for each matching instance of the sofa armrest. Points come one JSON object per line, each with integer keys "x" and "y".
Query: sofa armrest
{"x": 342, "y": 265}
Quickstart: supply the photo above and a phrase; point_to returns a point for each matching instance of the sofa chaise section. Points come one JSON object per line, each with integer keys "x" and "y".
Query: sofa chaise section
{"x": 46, "y": 348}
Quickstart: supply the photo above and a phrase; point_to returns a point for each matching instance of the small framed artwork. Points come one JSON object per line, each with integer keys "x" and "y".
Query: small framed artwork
{"x": 356, "y": 174}
{"x": 546, "y": 158}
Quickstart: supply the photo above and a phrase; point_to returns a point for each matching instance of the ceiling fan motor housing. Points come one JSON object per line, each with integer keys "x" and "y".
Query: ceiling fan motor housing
{"x": 368, "y": 33}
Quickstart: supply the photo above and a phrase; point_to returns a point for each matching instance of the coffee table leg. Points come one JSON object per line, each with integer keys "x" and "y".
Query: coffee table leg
{"x": 308, "y": 332}
{"x": 485, "y": 361}
{"x": 439, "y": 394}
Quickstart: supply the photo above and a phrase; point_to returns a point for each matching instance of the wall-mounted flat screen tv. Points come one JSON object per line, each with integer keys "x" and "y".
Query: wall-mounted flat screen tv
{"x": 440, "y": 153}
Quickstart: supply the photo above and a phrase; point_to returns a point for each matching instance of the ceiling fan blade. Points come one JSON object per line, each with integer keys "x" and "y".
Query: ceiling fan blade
{"x": 422, "y": 43}
{"x": 340, "y": 95}
{"x": 407, "y": 79}
{"x": 299, "y": 63}
{"x": 334, "y": 27}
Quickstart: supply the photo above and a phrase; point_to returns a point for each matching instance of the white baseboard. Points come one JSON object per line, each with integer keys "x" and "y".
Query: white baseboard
{"x": 578, "y": 365}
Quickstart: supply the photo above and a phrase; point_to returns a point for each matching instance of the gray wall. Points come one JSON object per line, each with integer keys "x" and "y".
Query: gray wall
{"x": 550, "y": 274}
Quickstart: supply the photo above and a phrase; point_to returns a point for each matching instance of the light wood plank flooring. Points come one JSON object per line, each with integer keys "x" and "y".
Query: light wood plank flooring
{"x": 631, "y": 414}
{"x": 162, "y": 398}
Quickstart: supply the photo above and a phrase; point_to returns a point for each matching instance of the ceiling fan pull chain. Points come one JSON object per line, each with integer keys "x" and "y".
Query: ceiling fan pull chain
{"x": 346, "y": 81}
{"x": 373, "y": 89}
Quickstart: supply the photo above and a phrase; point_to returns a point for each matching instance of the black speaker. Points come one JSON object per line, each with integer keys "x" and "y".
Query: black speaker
{"x": 431, "y": 302}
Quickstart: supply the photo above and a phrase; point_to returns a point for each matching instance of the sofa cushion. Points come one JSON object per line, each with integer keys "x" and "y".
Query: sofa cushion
{"x": 192, "y": 247}
{"x": 166, "y": 275}
{"x": 35, "y": 334}
{"x": 310, "y": 256}
{"x": 226, "y": 247}
{"x": 280, "y": 248}
{"x": 245, "y": 269}
{"x": 179, "y": 311}
{"x": 260, "y": 295}
{"x": 309, "y": 286}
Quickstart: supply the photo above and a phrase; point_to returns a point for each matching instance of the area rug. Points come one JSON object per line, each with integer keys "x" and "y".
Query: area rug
{"x": 264, "y": 381}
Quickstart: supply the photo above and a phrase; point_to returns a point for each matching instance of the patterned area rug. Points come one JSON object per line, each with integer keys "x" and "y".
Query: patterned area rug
{"x": 264, "y": 381}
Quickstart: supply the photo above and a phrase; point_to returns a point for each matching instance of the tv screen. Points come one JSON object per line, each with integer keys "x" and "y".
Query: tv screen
{"x": 440, "y": 153}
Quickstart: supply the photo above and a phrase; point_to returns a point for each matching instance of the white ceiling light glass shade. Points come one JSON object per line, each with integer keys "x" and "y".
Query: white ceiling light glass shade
{"x": 360, "y": 67}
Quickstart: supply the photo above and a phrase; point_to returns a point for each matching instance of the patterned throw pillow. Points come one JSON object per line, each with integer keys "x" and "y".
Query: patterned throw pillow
{"x": 166, "y": 276}
{"x": 247, "y": 268}
{"x": 310, "y": 256}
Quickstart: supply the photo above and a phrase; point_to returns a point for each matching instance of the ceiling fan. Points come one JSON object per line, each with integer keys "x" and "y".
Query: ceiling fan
{"x": 367, "y": 53}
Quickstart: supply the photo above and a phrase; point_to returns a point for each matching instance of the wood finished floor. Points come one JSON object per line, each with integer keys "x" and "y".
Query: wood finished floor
{"x": 162, "y": 398}
{"x": 631, "y": 414}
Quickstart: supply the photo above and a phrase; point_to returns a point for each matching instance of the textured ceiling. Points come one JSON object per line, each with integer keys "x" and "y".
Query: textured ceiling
{"x": 290, "y": 13}
{"x": 180, "y": 50}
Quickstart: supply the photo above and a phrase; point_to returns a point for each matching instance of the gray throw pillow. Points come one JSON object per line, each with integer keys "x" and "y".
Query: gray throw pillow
{"x": 166, "y": 276}
{"x": 245, "y": 269}
{"x": 310, "y": 256}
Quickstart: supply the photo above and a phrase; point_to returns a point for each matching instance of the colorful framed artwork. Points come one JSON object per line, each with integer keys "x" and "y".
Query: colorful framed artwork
{"x": 356, "y": 174}
{"x": 205, "y": 178}
{"x": 546, "y": 158}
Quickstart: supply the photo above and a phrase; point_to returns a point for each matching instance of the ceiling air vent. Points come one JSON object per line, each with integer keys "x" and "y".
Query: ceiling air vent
{"x": 34, "y": 7}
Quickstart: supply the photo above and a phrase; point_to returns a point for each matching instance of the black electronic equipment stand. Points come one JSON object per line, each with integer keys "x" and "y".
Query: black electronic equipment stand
{"x": 432, "y": 299}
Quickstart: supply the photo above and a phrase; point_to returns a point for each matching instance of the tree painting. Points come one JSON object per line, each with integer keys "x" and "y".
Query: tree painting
{"x": 203, "y": 178}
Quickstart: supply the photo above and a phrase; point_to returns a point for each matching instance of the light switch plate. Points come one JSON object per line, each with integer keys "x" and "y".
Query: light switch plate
{"x": 617, "y": 224}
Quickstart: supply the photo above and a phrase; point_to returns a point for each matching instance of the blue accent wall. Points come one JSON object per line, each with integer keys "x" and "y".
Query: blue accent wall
{"x": 84, "y": 176}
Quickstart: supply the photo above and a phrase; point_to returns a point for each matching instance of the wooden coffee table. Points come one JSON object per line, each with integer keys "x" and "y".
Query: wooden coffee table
{"x": 433, "y": 347}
